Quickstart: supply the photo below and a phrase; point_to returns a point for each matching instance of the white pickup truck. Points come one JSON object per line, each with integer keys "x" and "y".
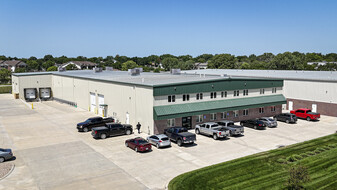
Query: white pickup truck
{"x": 212, "y": 129}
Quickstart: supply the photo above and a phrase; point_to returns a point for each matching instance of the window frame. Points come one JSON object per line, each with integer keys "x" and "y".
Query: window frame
{"x": 213, "y": 117}
{"x": 261, "y": 110}
{"x": 245, "y": 112}
{"x": 236, "y": 113}
{"x": 224, "y": 115}
{"x": 273, "y": 108}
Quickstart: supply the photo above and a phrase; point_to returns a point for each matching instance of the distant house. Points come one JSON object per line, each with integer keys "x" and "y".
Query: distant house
{"x": 200, "y": 65}
{"x": 320, "y": 63}
{"x": 80, "y": 64}
{"x": 11, "y": 65}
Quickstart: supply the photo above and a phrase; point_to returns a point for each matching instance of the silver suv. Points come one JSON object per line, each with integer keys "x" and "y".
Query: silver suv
{"x": 269, "y": 122}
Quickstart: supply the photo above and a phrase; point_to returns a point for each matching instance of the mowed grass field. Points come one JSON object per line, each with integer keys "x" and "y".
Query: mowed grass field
{"x": 268, "y": 170}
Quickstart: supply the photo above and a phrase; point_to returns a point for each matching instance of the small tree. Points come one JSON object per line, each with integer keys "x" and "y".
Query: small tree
{"x": 52, "y": 68}
{"x": 71, "y": 67}
{"x": 129, "y": 65}
{"x": 298, "y": 175}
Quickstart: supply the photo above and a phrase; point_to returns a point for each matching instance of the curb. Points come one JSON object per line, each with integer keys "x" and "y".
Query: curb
{"x": 13, "y": 166}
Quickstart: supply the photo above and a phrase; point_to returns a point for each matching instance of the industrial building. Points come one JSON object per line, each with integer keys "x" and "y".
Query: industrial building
{"x": 156, "y": 100}
{"x": 315, "y": 90}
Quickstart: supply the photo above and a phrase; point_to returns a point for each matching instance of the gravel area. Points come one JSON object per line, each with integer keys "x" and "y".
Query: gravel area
{"x": 5, "y": 168}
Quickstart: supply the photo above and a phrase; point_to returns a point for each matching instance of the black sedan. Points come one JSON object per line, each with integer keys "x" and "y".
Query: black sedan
{"x": 253, "y": 123}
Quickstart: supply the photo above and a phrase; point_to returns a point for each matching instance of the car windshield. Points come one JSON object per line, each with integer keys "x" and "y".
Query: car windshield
{"x": 142, "y": 141}
{"x": 270, "y": 119}
{"x": 164, "y": 139}
{"x": 214, "y": 125}
{"x": 230, "y": 123}
{"x": 2, "y": 150}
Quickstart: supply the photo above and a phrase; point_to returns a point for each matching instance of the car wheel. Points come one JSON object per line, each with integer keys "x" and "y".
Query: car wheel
{"x": 158, "y": 146}
{"x": 128, "y": 132}
{"x": 85, "y": 129}
{"x": 126, "y": 144}
{"x": 136, "y": 149}
{"x": 308, "y": 119}
{"x": 197, "y": 131}
{"x": 2, "y": 159}
{"x": 103, "y": 136}
{"x": 230, "y": 133}
{"x": 215, "y": 137}
{"x": 179, "y": 142}
{"x": 287, "y": 121}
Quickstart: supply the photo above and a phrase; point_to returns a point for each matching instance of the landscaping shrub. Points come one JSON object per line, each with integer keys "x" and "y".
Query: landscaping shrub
{"x": 5, "y": 89}
{"x": 304, "y": 155}
{"x": 332, "y": 145}
{"x": 298, "y": 175}
{"x": 326, "y": 148}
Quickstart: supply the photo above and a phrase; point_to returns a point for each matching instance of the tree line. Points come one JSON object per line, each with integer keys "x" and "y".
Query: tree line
{"x": 281, "y": 61}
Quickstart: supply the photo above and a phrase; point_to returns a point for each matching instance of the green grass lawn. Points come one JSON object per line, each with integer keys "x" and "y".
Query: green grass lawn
{"x": 266, "y": 170}
{"x": 5, "y": 89}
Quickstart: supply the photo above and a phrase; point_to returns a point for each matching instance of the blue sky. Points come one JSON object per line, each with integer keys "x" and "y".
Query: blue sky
{"x": 179, "y": 27}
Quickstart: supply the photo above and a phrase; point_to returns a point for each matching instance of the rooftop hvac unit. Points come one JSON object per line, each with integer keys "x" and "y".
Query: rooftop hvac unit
{"x": 134, "y": 72}
{"x": 140, "y": 69}
{"x": 109, "y": 68}
{"x": 175, "y": 71}
{"x": 97, "y": 69}
{"x": 61, "y": 69}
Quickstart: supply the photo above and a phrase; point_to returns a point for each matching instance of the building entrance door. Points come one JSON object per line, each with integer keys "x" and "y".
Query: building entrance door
{"x": 314, "y": 108}
{"x": 187, "y": 122}
{"x": 290, "y": 106}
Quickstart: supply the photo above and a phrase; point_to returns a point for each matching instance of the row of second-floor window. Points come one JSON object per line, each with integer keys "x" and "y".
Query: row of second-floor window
{"x": 213, "y": 95}
{"x": 223, "y": 115}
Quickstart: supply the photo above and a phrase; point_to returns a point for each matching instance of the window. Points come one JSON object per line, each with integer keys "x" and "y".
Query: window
{"x": 199, "y": 118}
{"x": 224, "y": 94}
{"x": 199, "y": 96}
{"x": 261, "y": 110}
{"x": 186, "y": 97}
{"x": 273, "y": 108}
{"x": 213, "y": 95}
{"x": 236, "y": 113}
{"x": 171, "y": 98}
{"x": 273, "y": 90}
{"x": 262, "y": 91}
{"x": 213, "y": 116}
{"x": 245, "y": 92}
{"x": 245, "y": 112}
{"x": 223, "y": 115}
{"x": 236, "y": 93}
{"x": 170, "y": 123}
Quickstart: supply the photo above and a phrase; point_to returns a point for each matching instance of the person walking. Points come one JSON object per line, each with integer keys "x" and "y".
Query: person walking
{"x": 138, "y": 127}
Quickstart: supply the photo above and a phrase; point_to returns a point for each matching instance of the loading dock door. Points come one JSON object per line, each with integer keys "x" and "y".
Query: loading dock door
{"x": 92, "y": 102}
{"x": 101, "y": 102}
{"x": 30, "y": 93}
{"x": 45, "y": 93}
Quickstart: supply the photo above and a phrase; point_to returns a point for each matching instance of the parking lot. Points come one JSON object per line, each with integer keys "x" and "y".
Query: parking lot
{"x": 51, "y": 154}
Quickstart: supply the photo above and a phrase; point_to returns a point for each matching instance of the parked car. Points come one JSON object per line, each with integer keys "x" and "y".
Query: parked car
{"x": 180, "y": 135}
{"x": 212, "y": 129}
{"x": 269, "y": 122}
{"x": 233, "y": 129}
{"x": 286, "y": 117}
{"x": 159, "y": 141}
{"x": 138, "y": 144}
{"x": 306, "y": 114}
{"x": 111, "y": 129}
{"x": 253, "y": 123}
{"x": 93, "y": 122}
{"x": 5, "y": 154}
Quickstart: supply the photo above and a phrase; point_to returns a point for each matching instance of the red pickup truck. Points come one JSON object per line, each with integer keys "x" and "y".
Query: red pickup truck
{"x": 306, "y": 114}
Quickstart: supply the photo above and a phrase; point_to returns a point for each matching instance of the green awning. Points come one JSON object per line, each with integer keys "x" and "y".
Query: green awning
{"x": 198, "y": 108}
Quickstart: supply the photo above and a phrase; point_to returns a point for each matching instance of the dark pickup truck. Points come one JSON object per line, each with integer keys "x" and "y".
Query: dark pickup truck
{"x": 111, "y": 129}
{"x": 93, "y": 122}
{"x": 180, "y": 135}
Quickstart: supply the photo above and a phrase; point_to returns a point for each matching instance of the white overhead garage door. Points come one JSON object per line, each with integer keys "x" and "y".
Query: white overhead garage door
{"x": 92, "y": 102}
{"x": 45, "y": 93}
{"x": 30, "y": 93}
{"x": 100, "y": 102}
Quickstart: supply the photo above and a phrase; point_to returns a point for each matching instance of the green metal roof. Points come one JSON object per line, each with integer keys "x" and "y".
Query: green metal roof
{"x": 198, "y": 108}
